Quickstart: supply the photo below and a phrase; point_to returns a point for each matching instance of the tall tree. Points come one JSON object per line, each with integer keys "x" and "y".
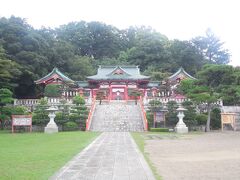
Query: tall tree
{"x": 184, "y": 54}
{"x": 212, "y": 48}
{"x": 5, "y": 98}
{"x": 10, "y": 70}
{"x": 214, "y": 82}
{"x": 149, "y": 49}
{"x": 201, "y": 94}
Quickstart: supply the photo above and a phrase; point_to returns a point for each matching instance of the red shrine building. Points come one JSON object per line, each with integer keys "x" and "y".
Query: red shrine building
{"x": 116, "y": 82}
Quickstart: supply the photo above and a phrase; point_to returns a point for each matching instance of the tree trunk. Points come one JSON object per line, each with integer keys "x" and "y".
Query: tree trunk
{"x": 209, "y": 118}
{"x": 1, "y": 120}
{"x": 2, "y": 125}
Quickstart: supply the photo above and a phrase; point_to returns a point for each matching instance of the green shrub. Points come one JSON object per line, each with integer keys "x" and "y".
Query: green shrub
{"x": 74, "y": 117}
{"x": 201, "y": 119}
{"x": 216, "y": 118}
{"x": 190, "y": 114}
{"x": 38, "y": 120}
{"x": 171, "y": 116}
{"x": 61, "y": 118}
{"x": 150, "y": 119}
{"x": 159, "y": 130}
{"x": 70, "y": 126}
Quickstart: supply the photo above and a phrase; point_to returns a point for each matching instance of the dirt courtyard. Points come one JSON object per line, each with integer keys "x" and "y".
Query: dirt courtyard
{"x": 214, "y": 155}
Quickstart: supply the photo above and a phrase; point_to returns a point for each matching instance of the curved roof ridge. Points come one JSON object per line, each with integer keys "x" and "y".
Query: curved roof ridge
{"x": 181, "y": 69}
{"x": 117, "y": 67}
{"x": 57, "y": 71}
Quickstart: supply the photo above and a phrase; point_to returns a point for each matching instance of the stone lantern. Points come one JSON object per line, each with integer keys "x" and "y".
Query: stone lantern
{"x": 181, "y": 126}
{"x": 51, "y": 126}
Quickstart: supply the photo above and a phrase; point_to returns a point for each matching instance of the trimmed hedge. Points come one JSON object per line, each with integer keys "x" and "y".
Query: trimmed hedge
{"x": 159, "y": 130}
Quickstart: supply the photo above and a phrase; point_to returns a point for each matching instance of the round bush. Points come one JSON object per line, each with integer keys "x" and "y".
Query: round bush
{"x": 201, "y": 119}
{"x": 70, "y": 126}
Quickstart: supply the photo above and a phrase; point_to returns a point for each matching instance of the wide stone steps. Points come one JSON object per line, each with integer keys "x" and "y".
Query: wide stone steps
{"x": 117, "y": 116}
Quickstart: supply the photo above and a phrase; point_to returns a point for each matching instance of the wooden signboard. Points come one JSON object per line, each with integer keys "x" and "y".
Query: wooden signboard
{"x": 228, "y": 118}
{"x": 159, "y": 117}
{"x": 22, "y": 120}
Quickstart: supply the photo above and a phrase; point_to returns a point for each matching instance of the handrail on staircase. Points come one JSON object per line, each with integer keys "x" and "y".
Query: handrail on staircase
{"x": 144, "y": 113}
{"x": 90, "y": 114}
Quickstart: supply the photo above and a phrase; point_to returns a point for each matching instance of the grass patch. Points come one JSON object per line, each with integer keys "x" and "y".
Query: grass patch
{"x": 38, "y": 155}
{"x": 140, "y": 141}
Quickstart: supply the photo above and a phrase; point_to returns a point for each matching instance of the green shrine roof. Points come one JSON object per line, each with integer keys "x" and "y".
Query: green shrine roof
{"x": 179, "y": 74}
{"x": 82, "y": 84}
{"x": 118, "y": 73}
{"x": 54, "y": 74}
{"x": 152, "y": 84}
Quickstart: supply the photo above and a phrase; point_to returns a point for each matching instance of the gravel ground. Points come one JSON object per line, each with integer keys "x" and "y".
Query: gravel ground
{"x": 207, "y": 156}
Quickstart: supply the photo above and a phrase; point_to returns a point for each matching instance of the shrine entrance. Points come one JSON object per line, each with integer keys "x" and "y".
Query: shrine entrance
{"x": 118, "y": 94}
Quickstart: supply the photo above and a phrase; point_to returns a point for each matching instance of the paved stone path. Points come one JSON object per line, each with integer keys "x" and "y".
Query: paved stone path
{"x": 112, "y": 156}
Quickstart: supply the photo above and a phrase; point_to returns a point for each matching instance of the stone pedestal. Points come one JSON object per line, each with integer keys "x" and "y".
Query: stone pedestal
{"x": 181, "y": 129}
{"x": 181, "y": 126}
{"x": 51, "y": 126}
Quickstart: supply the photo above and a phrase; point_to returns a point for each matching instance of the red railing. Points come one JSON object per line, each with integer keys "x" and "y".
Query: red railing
{"x": 144, "y": 114}
{"x": 90, "y": 114}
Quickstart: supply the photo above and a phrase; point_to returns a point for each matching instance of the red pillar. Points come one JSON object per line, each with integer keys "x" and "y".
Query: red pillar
{"x": 110, "y": 92}
{"x": 92, "y": 93}
{"x": 126, "y": 93}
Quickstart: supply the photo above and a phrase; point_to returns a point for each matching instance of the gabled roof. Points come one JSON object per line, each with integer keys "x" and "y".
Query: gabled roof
{"x": 54, "y": 74}
{"x": 180, "y": 73}
{"x": 118, "y": 73}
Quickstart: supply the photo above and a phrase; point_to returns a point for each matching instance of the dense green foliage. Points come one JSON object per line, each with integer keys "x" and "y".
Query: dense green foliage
{"x": 79, "y": 112}
{"x": 190, "y": 114}
{"x": 171, "y": 116}
{"x": 66, "y": 116}
{"x": 134, "y": 94}
{"x": 5, "y": 98}
{"x": 214, "y": 82}
{"x": 76, "y": 48}
{"x": 53, "y": 90}
{"x": 40, "y": 114}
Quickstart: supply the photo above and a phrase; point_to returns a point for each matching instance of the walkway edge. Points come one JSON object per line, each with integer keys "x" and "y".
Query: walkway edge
{"x": 143, "y": 161}
{"x": 71, "y": 161}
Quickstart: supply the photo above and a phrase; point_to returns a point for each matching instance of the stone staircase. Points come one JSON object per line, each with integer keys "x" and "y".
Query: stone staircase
{"x": 117, "y": 116}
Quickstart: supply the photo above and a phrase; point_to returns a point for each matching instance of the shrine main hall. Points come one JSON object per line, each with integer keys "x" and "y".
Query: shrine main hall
{"x": 116, "y": 82}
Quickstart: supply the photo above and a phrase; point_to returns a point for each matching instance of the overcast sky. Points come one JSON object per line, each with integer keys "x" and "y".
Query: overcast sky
{"x": 180, "y": 19}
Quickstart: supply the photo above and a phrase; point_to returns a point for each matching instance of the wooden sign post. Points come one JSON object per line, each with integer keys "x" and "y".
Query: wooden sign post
{"x": 22, "y": 120}
{"x": 159, "y": 117}
{"x": 228, "y": 118}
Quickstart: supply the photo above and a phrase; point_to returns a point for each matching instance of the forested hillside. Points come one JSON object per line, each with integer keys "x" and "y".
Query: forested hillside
{"x": 77, "y": 48}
